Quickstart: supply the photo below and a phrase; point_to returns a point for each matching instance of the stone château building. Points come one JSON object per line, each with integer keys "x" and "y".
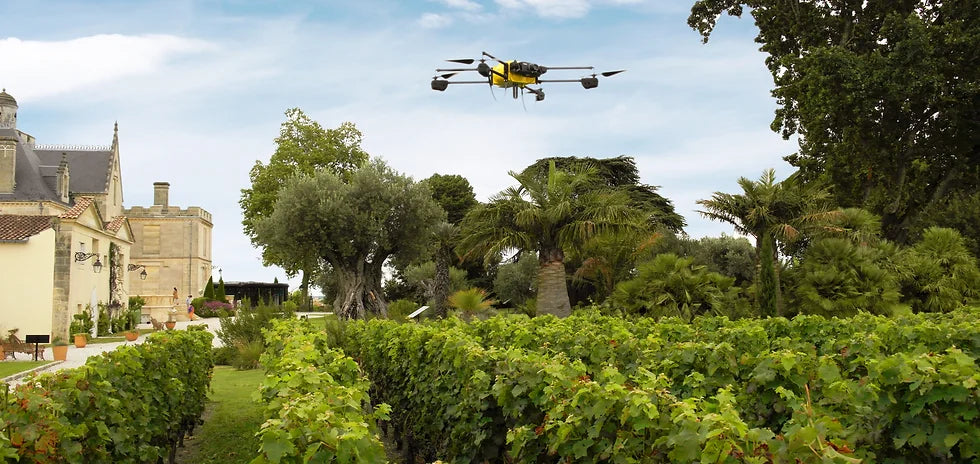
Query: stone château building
{"x": 64, "y": 241}
{"x": 174, "y": 245}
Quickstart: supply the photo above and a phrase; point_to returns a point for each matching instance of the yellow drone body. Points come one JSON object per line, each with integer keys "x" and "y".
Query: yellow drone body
{"x": 504, "y": 77}
{"x": 514, "y": 74}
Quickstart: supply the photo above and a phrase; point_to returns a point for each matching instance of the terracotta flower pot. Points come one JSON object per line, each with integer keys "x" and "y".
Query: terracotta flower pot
{"x": 131, "y": 335}
{"x": 60, "y": 352}
{"x": 170, "y": 325}
{"x": 80, "y": 340}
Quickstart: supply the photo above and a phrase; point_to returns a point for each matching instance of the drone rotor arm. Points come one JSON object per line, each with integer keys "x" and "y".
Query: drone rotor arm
{"x": 455, "y": 69}
{"x": 549, "y": 68}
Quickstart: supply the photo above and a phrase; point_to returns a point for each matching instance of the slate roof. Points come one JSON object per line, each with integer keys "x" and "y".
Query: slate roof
{"x": 88, "y": 170}
{"x": 81, "y": 204}
{"x": 31, "y": 185}
{"x": 20, "y": 228}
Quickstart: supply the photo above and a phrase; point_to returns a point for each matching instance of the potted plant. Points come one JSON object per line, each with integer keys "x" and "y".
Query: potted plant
{"x": 59, "y": 347}
{"x": 172, "y": 319}
{"x": 80, "y": 340}
{"x": 132, "y": 334}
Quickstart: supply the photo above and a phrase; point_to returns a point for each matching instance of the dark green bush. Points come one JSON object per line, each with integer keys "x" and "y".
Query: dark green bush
{"x": 224, "y": 355}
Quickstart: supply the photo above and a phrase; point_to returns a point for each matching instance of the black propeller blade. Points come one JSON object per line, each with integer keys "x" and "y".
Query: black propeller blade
{"x": 612, "y": 73}
{"x": 447, "y": 76}
{"x": 463, "y": 61}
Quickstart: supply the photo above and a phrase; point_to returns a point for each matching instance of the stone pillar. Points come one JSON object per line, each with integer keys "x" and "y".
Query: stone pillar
{"x": 60, "y": 313}
{"x": 8, "y": 164}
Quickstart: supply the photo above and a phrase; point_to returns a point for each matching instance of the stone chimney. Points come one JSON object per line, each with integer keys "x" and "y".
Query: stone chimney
{"x": 161, "y": 194}
{"x": 63, "y": 179}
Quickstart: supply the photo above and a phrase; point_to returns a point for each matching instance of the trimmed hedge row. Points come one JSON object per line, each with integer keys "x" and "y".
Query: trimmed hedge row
{"x": 316, "y": 401}
{"x": 134, "y": 404}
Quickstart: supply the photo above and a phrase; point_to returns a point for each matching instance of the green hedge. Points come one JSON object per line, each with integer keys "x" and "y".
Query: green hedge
{"x": 317, "y": 401}
{"x": 134, "y": 404}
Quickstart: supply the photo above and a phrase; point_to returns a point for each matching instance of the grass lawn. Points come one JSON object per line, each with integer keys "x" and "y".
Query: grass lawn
{"x": 12, "y": 367}
{"x": 230, "y": 422}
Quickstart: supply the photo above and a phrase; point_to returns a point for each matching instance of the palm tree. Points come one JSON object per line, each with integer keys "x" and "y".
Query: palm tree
{"x": 547, "y": 215}
{"x": 771, "y": 212}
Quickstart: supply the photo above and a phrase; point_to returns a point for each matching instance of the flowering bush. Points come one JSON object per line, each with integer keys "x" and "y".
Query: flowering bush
{"x": 214, "y": 308}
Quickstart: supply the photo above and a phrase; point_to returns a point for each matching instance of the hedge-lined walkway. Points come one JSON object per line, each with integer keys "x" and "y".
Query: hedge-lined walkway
{"x": 231, "y": 419}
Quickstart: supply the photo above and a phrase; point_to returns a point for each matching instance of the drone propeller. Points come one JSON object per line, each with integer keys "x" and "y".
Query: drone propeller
{"x": 463, "y": 61}
{"x": 610, "y": 73}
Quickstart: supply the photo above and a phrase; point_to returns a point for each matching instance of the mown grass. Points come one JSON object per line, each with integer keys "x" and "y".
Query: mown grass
{"x": 8, "y": 368}
{"x": 232, "y": 419}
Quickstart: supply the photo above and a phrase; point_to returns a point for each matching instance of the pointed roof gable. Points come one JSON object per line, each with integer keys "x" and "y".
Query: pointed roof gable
{"x": 81, "y": 204}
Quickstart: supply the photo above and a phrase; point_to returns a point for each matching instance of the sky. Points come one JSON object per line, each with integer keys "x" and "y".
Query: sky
{"x": 199, "y": 89}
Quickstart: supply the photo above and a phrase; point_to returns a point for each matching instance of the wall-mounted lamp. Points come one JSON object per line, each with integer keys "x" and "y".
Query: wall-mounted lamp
{"x": 133, "y": 267}
{"x": 82, "y": 256}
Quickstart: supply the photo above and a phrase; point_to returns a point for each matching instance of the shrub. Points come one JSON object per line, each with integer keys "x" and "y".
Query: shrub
{"x": 213, "y": 308}
{"x": 938, "y": 272}
{"x": 838, "y": 278}
{"x": 515, "y": 283}
{"x": 399, "y": 310}
{"x": 247, "y": 355}
{"x": 471, "y": 302}
{"x": 209, "y": 289}
{"x": 224, "y": 355}
{"x": 82, "y": 322}
{"x": 673, "y": 286}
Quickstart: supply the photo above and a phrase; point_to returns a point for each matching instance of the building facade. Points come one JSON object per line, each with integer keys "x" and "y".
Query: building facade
{"x": 174, "y": 246}
{"x": 64, "y": 241}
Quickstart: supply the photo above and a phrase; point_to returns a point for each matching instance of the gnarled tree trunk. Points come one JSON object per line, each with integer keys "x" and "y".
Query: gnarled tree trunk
{"x": 552, "y": 288}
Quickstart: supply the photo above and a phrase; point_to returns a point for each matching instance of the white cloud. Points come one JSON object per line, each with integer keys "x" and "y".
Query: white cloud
{"x": 560, "y": 8}
{"x": 467, "y": 5}
{"x": 434, "y": 20}
{"x": 40, "y": 69}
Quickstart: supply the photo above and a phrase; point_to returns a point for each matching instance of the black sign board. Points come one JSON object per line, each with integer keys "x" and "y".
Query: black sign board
{"x": 38, "y": 339}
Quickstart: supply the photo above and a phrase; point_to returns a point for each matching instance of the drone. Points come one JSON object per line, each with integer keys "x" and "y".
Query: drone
{"x": 514, "y": 74}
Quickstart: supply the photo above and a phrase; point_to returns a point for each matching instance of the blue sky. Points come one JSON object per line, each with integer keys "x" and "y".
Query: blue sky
{"x": 199, "y": 90}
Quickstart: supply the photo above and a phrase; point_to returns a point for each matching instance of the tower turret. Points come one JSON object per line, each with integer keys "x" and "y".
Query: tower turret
{"x": 8, "y": 111}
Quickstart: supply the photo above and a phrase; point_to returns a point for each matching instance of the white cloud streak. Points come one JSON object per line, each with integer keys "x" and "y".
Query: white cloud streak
{"x": 43, "y": 69}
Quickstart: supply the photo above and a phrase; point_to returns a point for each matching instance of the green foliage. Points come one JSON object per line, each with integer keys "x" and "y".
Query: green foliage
{"x": 82, "y": 322}
{"x": 247, "y": 326}
{"x": 619, "y": 173}
{"x": 883, "y": 96}
{"x": 224, "y": 355}
{"x": 453, "y": 193}
{"x": 421, "y": 277}
{"x": 398, "y": 310}
{"x": 589, "y": 388}
{"x": 316, "y": 401}
{"x": 132, "y": 404}
{"x": 515, "y": 281}
{"x": 355, "y": 225}
{"x": 105, "y": 321}
{"x": 938, "y": 273}
{"x": 219, "y": 293}
{"x": 838, "y": 278}
{"x": 471, "y": 302}
{"x": 135, "y": 310}
{"x": 209, "y": 289}
{"x": 777, "y": 214}
{"x": 547, "y": 215}
{"x": 247, "y": 355}
{"x": 669, "y": 286}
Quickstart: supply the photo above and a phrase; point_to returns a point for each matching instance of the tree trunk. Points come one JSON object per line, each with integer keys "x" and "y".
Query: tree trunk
{"x": 349, "y": 303}
{"x": 304, "y": 289}
{"x": 552, "y": 288}
{"x": 440, "y": 293}
{"x": 374, "y": 297}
